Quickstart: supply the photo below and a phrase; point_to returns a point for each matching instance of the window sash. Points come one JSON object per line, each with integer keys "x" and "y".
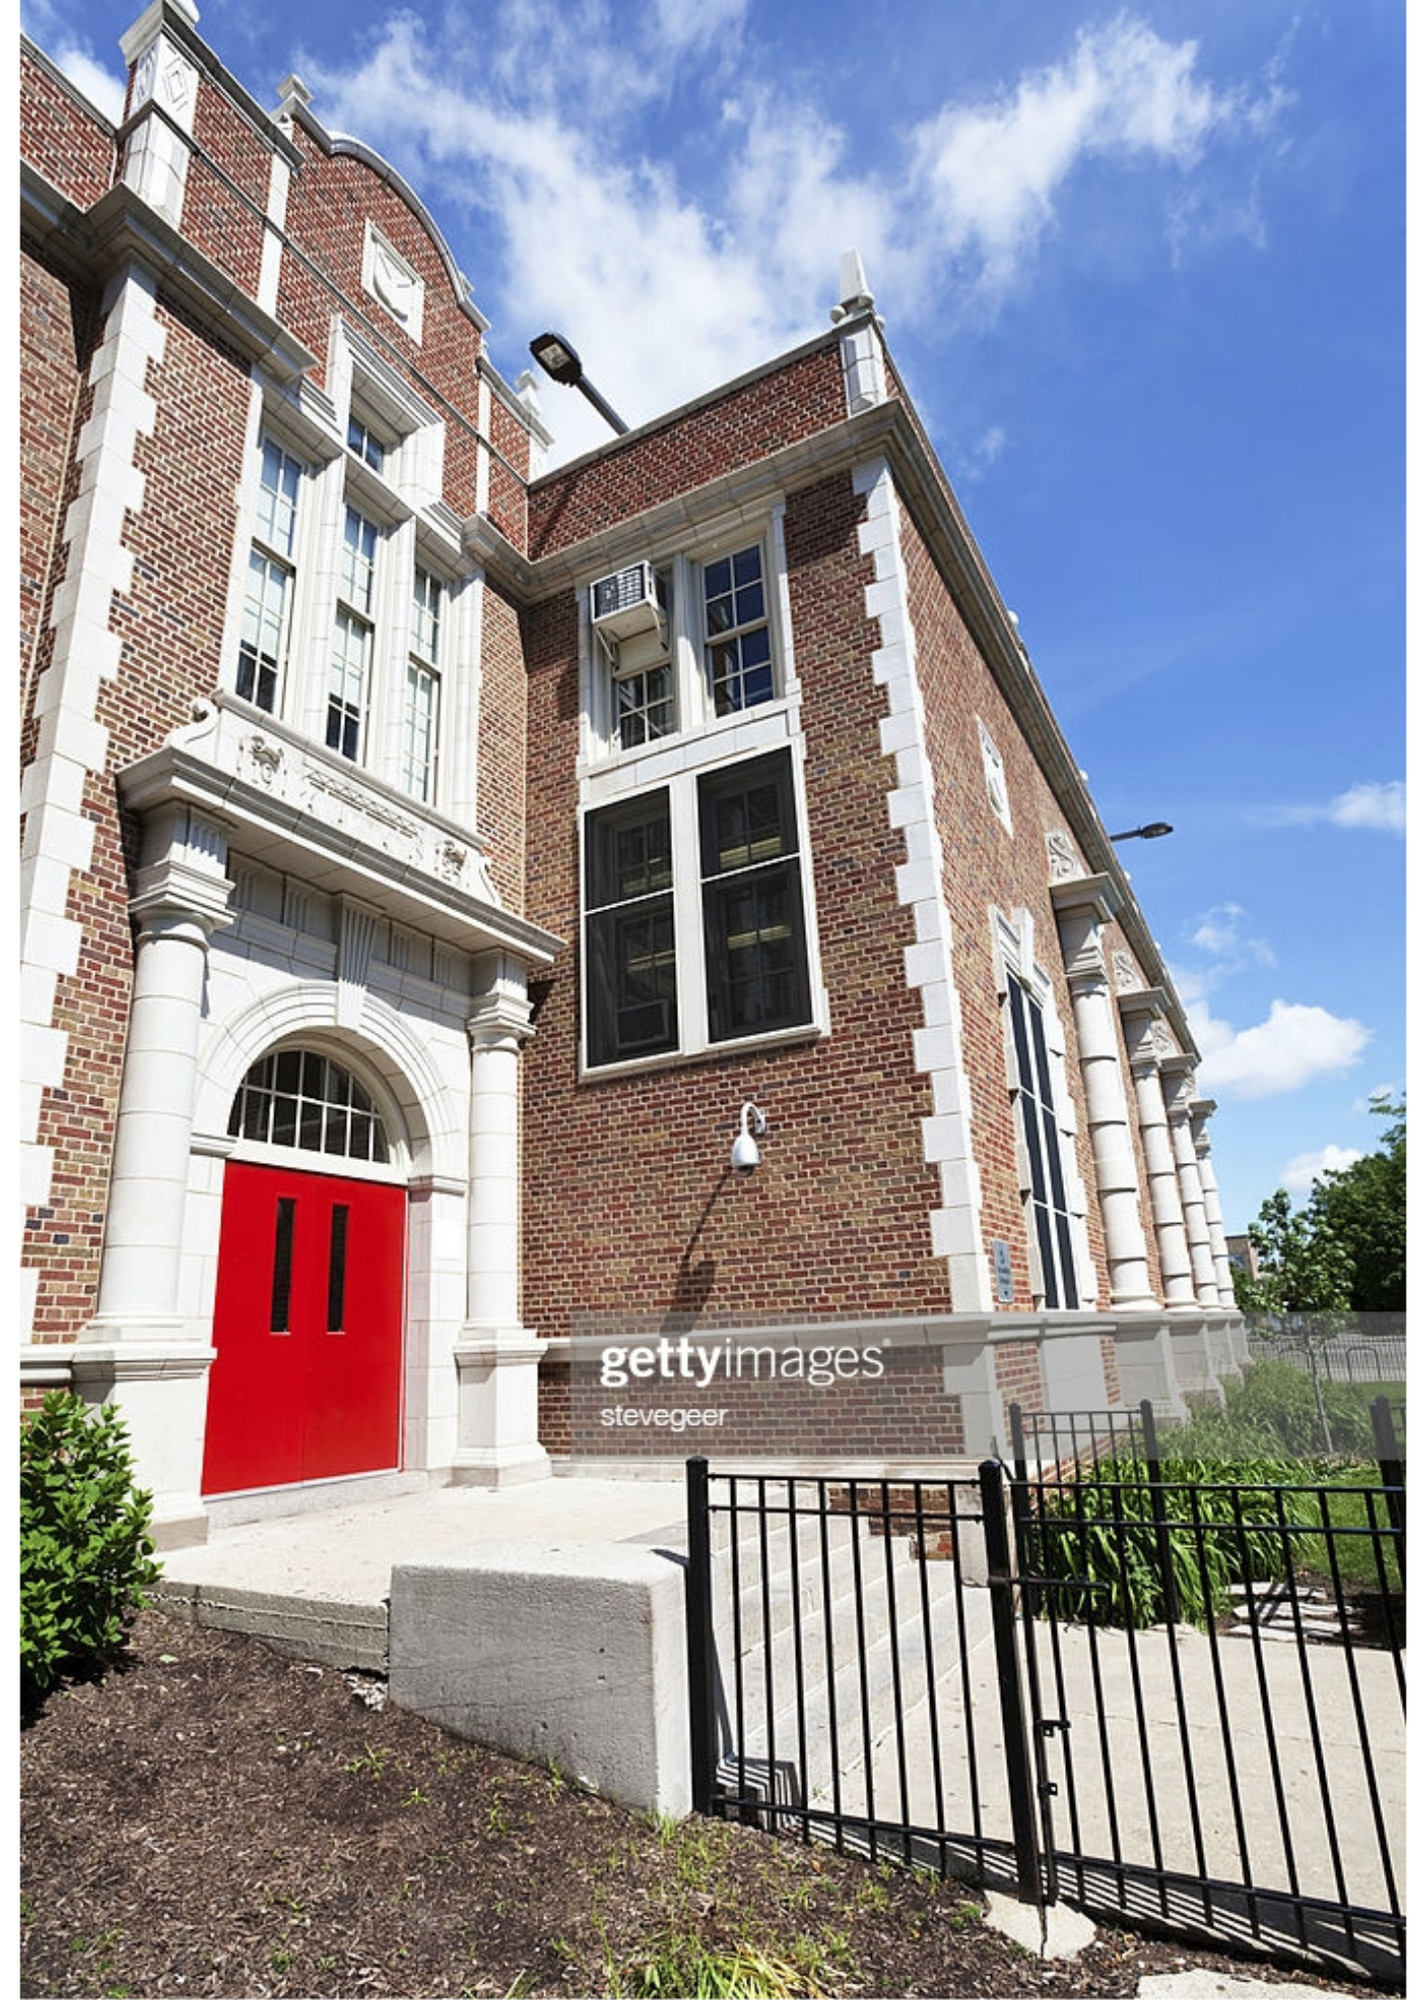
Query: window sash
{"x": 419, "y": 730}
{"x": 644, "y": 705}
{"x": 1041, "y": 1134}
{"x": 347, "y": 684}
{"x": 632, "y": 1005}
{"x": 262, "y": 647}
{"x": 738, "y": 645}
{"x": 357, "y": 569}
{"x": 279, "y": 484}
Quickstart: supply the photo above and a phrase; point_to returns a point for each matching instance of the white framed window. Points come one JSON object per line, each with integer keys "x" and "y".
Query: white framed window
{"x": 682, "y": 644}
{"x": 1052, "y": 1191}
{"x": 1048, "y": 1209}
{"x": 737, "y": 634}
{"x": 354, "y": 631}
{"x": 421, "y": 706}
{"x": 369, "y": 441}
{"x": 268, "y": 591}
{"x": 696, "y": 933}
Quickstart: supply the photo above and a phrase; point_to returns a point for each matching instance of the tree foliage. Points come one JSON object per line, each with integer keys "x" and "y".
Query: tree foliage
{"x": 1364, "y": 1209}
{"x": 1347, "y": 1248}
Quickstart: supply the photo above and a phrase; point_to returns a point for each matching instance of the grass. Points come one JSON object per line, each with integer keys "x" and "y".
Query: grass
{"x": 1245, "y": 1499}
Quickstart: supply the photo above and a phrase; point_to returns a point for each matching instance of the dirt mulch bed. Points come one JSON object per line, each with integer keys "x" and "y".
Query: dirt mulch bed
{"x": 215, "y": 1819}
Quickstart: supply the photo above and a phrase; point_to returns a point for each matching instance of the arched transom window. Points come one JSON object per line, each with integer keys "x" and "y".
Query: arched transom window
{"x": 299, "y": 1098}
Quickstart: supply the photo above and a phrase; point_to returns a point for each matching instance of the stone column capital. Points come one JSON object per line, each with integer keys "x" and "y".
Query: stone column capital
{"x": 499, "y": 1018}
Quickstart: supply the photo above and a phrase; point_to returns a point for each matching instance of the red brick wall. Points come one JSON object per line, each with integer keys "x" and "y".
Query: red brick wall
{"x": 57, "y": 326}
{"x": 172, "y": 623}
{"x": 223, "y": 210}
{"x": 904, "y": 1413}
{"x": 500, "y": 803}
{"x": 804, "y": 396}
{"x": 331, "y": 199}
{"x": 984, "y": 867}
{"x": 629, "y": 1199}
{"x": 66, "y": 141}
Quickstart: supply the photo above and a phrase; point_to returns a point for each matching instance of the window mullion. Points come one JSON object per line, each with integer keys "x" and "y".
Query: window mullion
{"x": 688, "y": 915}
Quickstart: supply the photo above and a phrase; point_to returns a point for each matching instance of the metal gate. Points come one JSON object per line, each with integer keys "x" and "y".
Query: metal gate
{"x": 935, "y": 1671}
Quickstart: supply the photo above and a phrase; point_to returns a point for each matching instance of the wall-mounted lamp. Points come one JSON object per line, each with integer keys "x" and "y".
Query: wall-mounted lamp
{"x": 1156, "y": 829}
{"x": 560, "y": 361}
{"x": 745, "y": 1155}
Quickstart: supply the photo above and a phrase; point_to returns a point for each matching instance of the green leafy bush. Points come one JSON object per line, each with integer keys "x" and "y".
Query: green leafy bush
{"x": 85, "y": 1550}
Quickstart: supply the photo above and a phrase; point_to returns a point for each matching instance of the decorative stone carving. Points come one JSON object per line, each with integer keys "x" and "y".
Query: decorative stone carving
{"x": 391, "y": 280}
{"x": 265, "y": 758}
{"x": 1128, "y": 978}
{"x": 1061, "y": 856}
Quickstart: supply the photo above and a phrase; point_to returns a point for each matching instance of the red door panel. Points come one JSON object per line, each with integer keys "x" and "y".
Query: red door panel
{"x": 308, "y": 1329}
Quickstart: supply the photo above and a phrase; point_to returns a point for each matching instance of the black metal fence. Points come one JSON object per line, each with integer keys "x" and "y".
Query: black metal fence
{"x": 1171, "y": 1701}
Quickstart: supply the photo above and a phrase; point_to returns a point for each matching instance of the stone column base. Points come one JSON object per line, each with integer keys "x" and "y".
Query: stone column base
{"x": 156, "y": 1372}
{"x": 497, "y": 1443}
{"x": 1146, "y": 1361}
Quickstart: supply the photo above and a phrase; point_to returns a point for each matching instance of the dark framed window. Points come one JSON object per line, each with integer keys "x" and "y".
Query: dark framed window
{"x": 1046, "y": 1196}
{"x": 756, "y": 961}
{"x": 631, "y": 1004}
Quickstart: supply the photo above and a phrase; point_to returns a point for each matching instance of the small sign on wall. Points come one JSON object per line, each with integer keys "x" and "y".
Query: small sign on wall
{"x": 1001, "y": 1258}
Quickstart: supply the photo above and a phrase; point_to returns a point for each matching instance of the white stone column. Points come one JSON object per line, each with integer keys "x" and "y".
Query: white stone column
{"x": 1177, "y": 1077}
{"x": 140, "y": 1350}
{"x": 497, "y": 1358}
{"x": 1201, "y": 1112}
{"x": 1081, "y": 908}
{"x": 1141, "y": 1013}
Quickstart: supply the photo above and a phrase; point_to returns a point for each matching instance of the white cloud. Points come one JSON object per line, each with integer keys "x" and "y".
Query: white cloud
{"x": 994, "y": 172}
{"x": 1221, "y": 933}
{"x": 1381, "y": 808}
{"x": 1292, "y": 1047}
{"x": 1305, "y": 1168}
{"x": 674, "y": 264}
{"x": 103, "y": 89}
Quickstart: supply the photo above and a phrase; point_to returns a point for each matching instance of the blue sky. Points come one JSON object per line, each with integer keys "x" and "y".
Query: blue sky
{"x": 1143, "y": 268}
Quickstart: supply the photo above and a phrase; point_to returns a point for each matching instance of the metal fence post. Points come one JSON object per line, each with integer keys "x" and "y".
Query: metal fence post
{"x": 1002, "y": 1583}
{"x": 1390, "y": 1471}
{"x": 699, "y": 1637}
{"x": 1157, "y": 1508}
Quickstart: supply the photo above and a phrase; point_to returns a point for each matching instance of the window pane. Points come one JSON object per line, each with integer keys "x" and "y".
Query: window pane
{"x": 756, "y": 961}
{"x": 337, "y": 1270}
{"x": 281, "y": 1295}
{"x": 630, "y": 974}
{"x": 301, "y": 1099}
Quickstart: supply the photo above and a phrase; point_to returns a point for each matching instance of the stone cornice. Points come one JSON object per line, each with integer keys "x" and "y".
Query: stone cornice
{"x": 1096, "y": 893}
{"x": 287, "y": 803}
{"x": 121, "y": 228}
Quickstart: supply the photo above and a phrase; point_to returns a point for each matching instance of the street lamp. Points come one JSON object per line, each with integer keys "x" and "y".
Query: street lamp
{"x": 1156, "y": 829}
{"x": 560, "y": 361}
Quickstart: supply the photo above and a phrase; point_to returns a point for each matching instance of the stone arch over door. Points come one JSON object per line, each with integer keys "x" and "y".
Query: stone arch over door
{"x": 422, "y": 1112}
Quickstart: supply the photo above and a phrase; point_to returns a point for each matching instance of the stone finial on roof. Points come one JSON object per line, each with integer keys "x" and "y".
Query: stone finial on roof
{"x": 853, "y": 287}
{"x": 293, "y": 95}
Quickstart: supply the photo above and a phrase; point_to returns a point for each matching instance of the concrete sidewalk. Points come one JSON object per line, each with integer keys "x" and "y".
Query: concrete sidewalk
{"x": 316, "y": 1585}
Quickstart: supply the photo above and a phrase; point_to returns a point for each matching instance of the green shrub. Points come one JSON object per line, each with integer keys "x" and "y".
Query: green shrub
{"x": 85, "y": 1551}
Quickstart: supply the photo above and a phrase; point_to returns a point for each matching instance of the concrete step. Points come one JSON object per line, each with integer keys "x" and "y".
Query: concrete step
{"x": 886, "y": 1675}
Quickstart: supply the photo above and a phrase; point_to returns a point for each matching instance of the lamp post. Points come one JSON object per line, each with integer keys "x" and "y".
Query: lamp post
{"x": 560, "y": 361}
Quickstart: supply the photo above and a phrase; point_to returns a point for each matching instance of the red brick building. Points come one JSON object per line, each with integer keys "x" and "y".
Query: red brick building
{"x": 432, "y": 864}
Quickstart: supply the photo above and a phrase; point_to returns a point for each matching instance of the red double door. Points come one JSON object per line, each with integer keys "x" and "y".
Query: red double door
{"x": 307, "y": 1323}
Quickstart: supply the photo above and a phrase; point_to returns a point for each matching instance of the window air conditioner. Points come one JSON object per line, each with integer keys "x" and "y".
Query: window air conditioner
{"x": 626, "y": 602}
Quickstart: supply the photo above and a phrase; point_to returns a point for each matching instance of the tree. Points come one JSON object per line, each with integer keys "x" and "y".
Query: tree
{"x": 1364, "y": 1209}
{"x": 1301, "y": 1269}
